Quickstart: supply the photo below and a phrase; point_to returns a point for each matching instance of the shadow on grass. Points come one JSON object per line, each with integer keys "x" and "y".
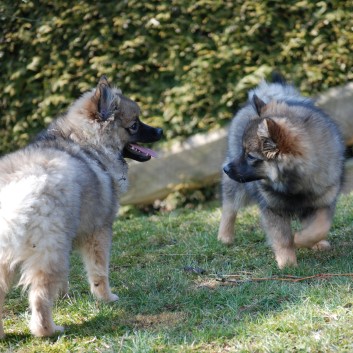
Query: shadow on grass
{"x": 159, "y": 297}
{"x": 15, "y": 338}
{"x": 201, "y": 311}
{"x": 120, "y": 324}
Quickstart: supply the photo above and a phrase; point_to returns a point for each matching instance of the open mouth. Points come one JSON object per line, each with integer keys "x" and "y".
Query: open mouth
{"x": 138, "y": 153}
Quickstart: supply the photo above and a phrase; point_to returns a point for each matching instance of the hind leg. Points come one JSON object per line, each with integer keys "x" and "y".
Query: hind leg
{"x": 315, "y": 229}
{"x": 233, "y": 198}
{"x": 43, "y": 290}
{"x": 95, "y": 251}
{"x": 2, "y": 299}
{"x": 5, "y": 282}
{"x": 44, "y": 272}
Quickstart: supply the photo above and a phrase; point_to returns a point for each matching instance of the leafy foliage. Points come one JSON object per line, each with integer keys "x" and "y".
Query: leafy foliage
{"x": 188, "y": 63}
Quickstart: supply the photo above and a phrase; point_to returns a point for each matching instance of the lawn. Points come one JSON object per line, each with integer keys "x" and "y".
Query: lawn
{"x": 182, "y": 291}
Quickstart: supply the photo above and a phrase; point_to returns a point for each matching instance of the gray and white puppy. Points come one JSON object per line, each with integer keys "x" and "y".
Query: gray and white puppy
{"x": 62, "y": 191}
{"x": 287, "y": 156}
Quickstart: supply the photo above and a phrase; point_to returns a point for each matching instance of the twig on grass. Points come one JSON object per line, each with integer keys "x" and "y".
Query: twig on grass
{"x": 289, "y": 278}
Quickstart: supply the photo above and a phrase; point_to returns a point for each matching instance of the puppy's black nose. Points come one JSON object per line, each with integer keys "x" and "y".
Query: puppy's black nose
{"x": 227, "y": 169}
{"x": 159, "y": 132}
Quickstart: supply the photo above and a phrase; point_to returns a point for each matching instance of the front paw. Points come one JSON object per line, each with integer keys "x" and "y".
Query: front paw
{"x": 113, "y": 298}
{"x": 44, "y": 331}
{"x": 322, "y": 245}
{"x": 286, "y": 258}
{"x": 225, "y": 238}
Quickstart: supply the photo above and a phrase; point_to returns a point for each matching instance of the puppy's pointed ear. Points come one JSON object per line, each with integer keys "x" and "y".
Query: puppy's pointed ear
{"x": 267, "y": 132}
{"x": 103, "y": 81}
{"x": 258, "y": 104}
{"x": 102, "y": 95}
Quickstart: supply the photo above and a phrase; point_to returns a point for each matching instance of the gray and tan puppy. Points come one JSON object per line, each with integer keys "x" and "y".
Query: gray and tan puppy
{"x": 62, "y": 191}
{"x": 287, "y": 156}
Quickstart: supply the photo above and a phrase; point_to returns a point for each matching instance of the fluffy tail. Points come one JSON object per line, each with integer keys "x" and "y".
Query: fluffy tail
{"x": 278, "y": 89}
{"x": 277, "y": 77}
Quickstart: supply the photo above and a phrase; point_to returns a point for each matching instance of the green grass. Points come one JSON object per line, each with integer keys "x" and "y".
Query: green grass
{"x": 165, "y": 308}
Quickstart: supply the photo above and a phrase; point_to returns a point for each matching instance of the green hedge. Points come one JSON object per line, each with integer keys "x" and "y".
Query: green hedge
{"x": 188, "y": 63}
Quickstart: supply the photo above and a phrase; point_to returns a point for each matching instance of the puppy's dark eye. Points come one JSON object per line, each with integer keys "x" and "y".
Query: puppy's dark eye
{"x": 133, "y": 128}
{"x": 252, "y": 158}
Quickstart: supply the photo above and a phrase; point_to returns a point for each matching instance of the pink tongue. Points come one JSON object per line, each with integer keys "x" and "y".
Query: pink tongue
{"x": 145, "y": 150}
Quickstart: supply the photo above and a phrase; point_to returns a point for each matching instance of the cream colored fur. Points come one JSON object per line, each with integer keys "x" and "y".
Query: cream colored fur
{"x": 55, "y": 196}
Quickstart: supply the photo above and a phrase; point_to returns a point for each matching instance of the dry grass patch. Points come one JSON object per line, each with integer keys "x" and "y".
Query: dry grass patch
{"x": 165, "y": 319}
